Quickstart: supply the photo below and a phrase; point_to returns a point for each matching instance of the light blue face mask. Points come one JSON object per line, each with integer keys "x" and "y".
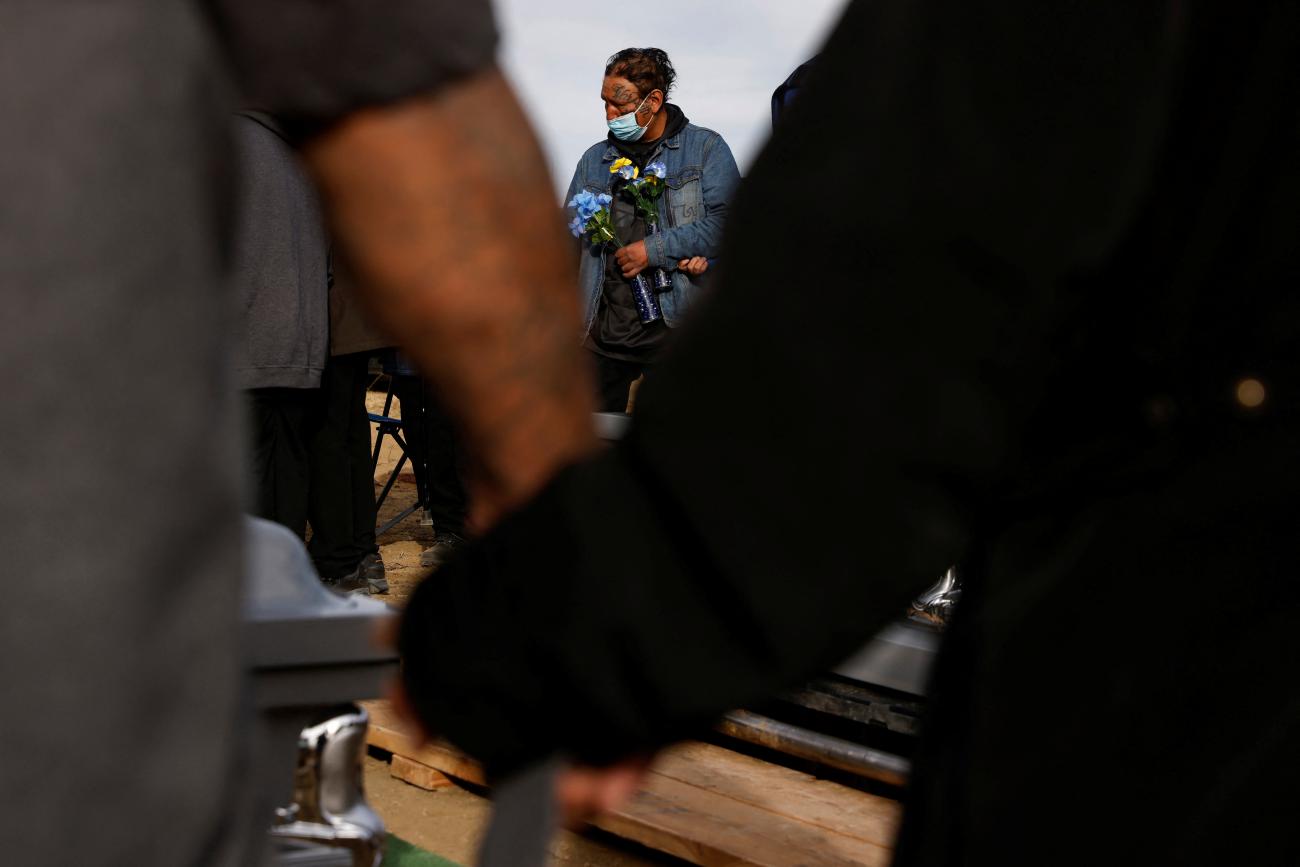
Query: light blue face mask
{"x": 625, "y": 128}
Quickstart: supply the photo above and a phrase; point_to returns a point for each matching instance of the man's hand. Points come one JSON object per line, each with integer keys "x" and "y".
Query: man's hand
{"x": 584, "y": 792}
{"x": 633, "y": 259}
{"x": 694, "y": 266}
{"x": 581, "y": 791}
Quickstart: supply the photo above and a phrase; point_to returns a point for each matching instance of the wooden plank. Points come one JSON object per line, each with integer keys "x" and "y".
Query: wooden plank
{"x": 387, "y": 733}
{"x": 785, "y": 792}
{"x": 717, "y": 831}
{"x": 419, "y": 775}
{"x": 826, "y": 750}
{"x": 714, "y": 807}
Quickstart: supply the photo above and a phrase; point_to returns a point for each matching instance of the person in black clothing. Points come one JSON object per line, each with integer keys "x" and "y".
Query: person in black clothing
{"x": 341, "y": 493}
{"x": 437, "y": 458}
{"x": 1022, "y": 282}
{"x": 786, "y": 93}
{"x": 341, "y": 498}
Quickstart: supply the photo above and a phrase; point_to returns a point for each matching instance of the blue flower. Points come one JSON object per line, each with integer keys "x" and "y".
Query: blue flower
{"x": 576, "y": 226}
{"x": 588, "y": 203}
{"x": 628, "y": 172}
{"x": 658, "y": 169}
{"x": 582, "y": 201}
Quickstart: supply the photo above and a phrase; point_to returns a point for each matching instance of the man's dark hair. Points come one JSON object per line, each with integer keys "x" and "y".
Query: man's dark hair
{"x": 648, "y": 68}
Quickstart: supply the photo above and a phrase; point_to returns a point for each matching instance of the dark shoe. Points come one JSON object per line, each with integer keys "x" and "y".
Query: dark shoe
{"x": 352, "y": 582}
{"x": 372, "y": 567}
{"x": 444, "y": 545}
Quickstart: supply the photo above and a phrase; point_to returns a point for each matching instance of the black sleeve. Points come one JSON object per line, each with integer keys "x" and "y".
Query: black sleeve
{"x": 310, "y": 62}
{"x": 825, "y": 435}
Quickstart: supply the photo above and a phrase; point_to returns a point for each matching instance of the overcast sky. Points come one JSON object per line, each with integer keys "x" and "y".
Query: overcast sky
{"x": 729, "y": 57}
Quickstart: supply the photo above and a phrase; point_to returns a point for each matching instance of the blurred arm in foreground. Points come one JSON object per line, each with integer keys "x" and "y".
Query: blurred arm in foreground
{"x": 439, "y": 198}
{"x": 446, "y": 212}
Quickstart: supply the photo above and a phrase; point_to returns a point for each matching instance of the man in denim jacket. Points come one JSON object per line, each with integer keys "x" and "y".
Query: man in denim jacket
{"x": 700, "y": 177}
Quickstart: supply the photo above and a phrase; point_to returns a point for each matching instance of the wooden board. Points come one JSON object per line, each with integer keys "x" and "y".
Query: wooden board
{"x": 419, "y": 775}
{"x": 779, "y": 790}
{"x": 714, "y": 807}
{"x": 717, "y": 831}
{"x": 387, "y": 733}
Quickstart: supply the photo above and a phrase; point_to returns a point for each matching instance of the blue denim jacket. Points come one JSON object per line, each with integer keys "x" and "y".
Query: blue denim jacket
{"x": 702, "y": 175}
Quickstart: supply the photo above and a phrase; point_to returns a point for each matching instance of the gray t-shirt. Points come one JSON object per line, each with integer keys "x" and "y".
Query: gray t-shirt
{"x": 281, "y": 262}
{"x": 119, "y": 655}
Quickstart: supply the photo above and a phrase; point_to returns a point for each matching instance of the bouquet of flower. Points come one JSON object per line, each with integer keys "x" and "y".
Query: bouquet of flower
{"x": 644, "y": 190}
{"x": 593, "y": 219}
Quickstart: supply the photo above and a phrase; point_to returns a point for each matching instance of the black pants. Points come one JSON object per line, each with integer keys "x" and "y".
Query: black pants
{"x": 341, "y": 495}
{"x": 280, "y": 423}
{"x": 614, "y": 378}
{"x": 434, "y": 452}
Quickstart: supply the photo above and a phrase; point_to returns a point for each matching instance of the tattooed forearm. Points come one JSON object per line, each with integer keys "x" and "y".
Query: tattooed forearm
{"x": 448, "y": 218}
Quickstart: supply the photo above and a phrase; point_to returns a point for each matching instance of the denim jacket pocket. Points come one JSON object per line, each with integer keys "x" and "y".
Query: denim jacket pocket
{"x": 685, "y": 196}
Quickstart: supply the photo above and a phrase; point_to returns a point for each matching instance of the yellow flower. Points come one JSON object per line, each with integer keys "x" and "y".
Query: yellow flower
{"x": 618, "y": 164}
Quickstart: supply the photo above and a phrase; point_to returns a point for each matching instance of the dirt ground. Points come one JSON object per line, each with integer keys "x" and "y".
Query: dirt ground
{"x": 451, "y": 821}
